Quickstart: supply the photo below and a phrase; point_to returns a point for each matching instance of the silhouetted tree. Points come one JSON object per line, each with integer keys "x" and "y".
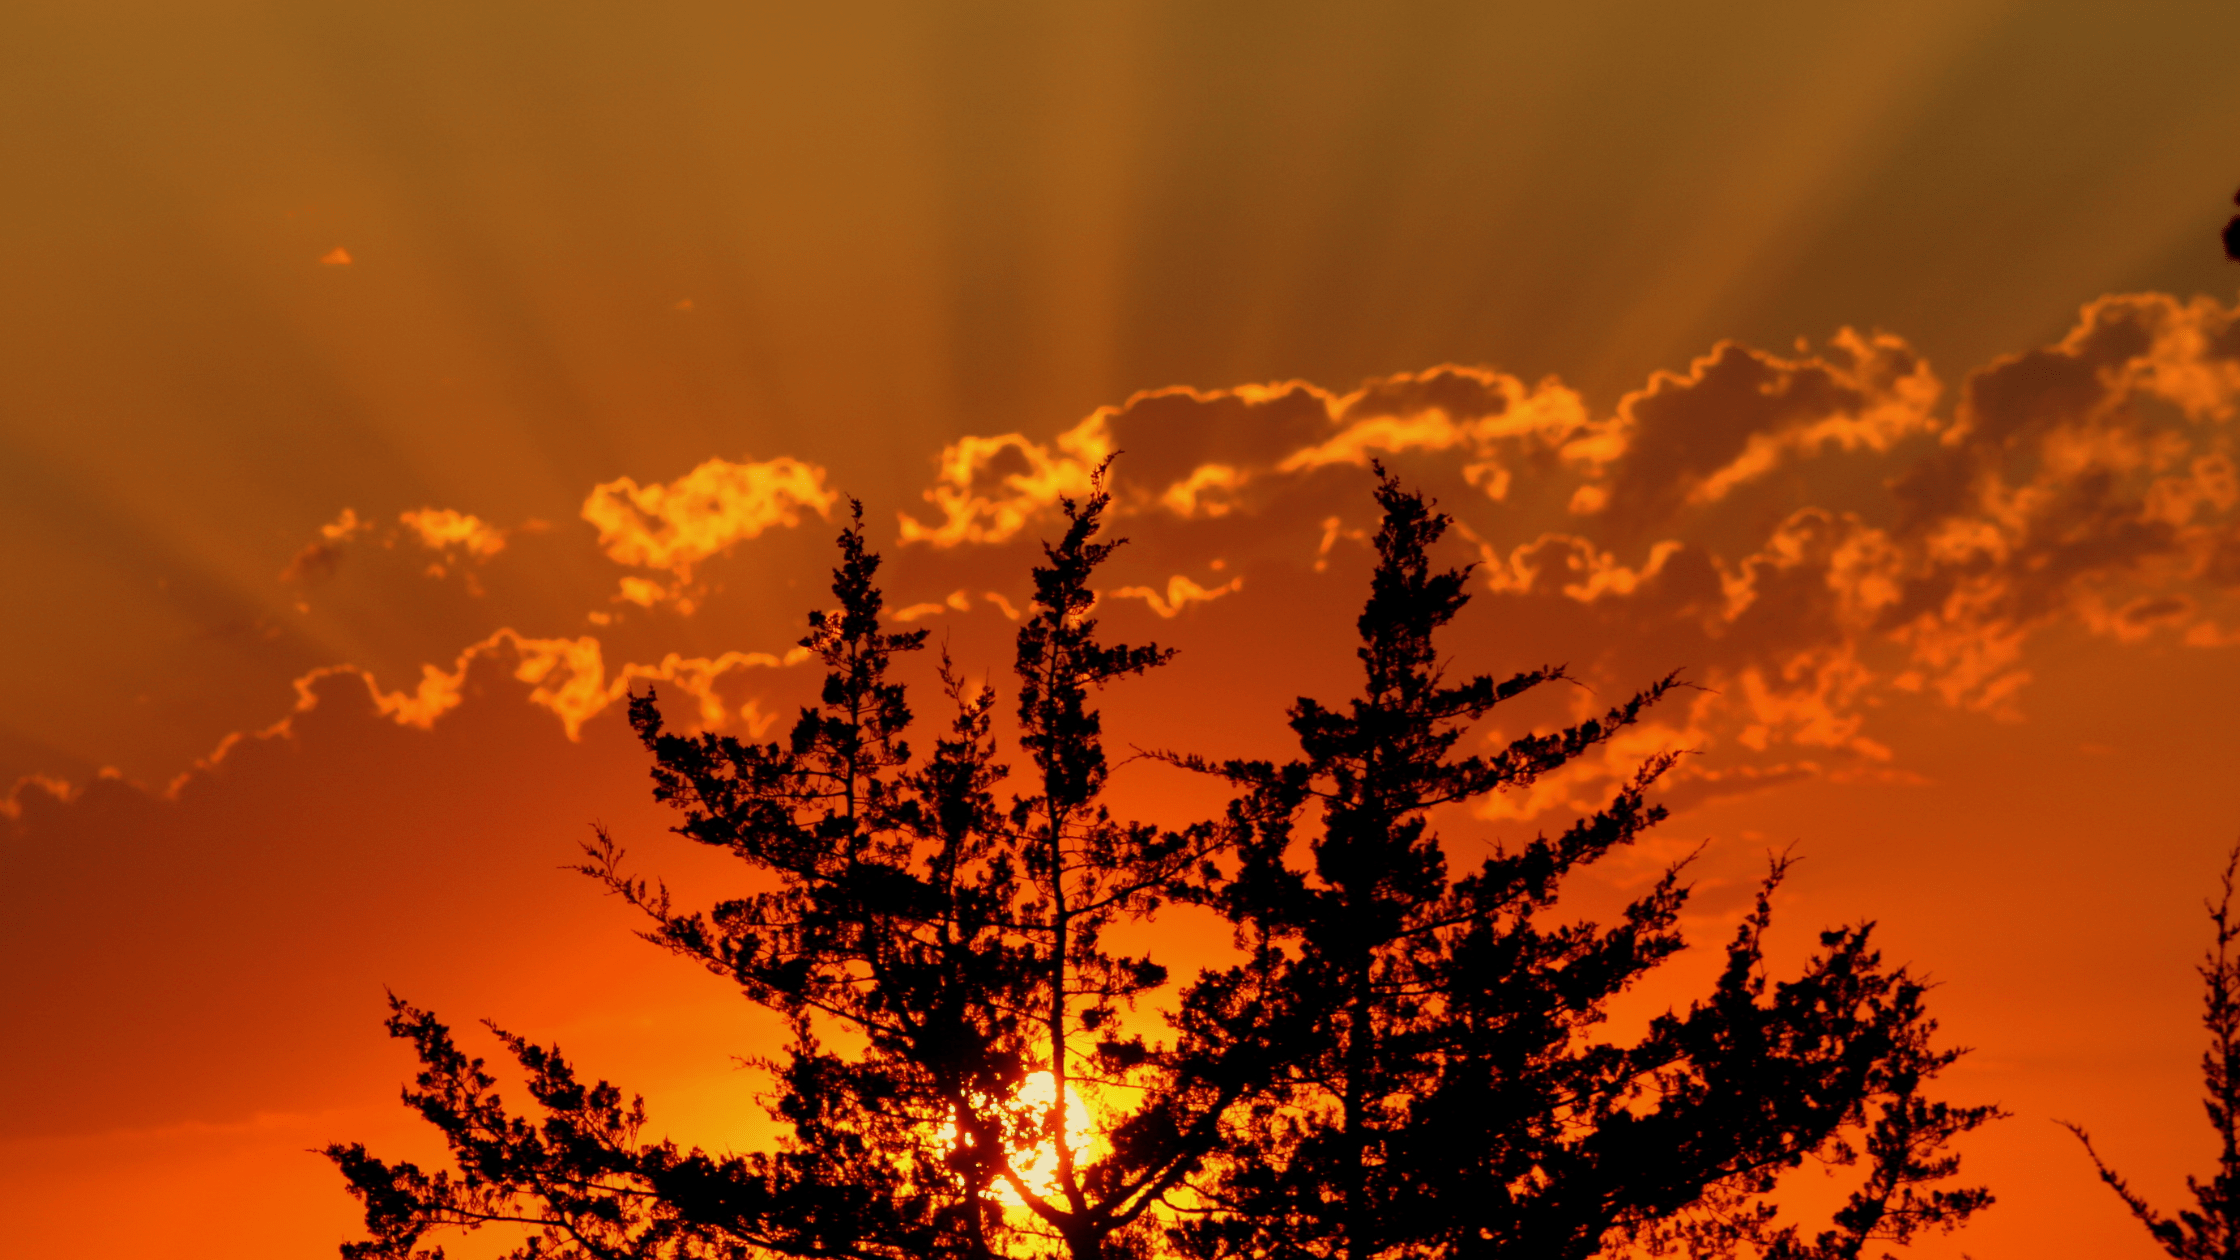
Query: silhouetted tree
{"x": 959, "y": 942}
{"x": 1399, "y": 1062}
{"x": 2232, "y": 233}
{"x": 2211, "y": 1229}
{"x": 1447, "y": 1094}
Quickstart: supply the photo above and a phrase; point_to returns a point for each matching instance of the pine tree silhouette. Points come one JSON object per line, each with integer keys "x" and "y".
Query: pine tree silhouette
{"x": 1400, "y": 1062}
{"x": 1450, "y": 1096}
{"x": 2211, "y": 1229}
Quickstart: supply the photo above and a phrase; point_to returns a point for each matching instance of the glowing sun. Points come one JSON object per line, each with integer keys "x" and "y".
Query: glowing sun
{"x": 1036, "y": 1161}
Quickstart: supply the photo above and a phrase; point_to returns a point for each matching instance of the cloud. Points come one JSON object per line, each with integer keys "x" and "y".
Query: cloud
{"x": 1179, "y": 594}
{"x": 457, "y": 538}
{"x": 2090, "y": 481}
{"x": 989, "y": 488}
{"x": 1739, "y": 414}
{"x": 1209, "y": 453}
{"x": 319, "y": 559}
{"x": 29, "y": 787}
{"x": 1811, "y": 535}
{"x": 568, "y": 677}
{"x": 454, "y": 533}
{"x": 674, "y": 526}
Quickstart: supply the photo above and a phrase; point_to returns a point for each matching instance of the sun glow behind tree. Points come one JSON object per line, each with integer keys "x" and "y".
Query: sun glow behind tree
{"x": 1033, "y": 1154}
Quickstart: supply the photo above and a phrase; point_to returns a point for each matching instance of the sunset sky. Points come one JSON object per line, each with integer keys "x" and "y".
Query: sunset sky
{"x": 387, "y": 389}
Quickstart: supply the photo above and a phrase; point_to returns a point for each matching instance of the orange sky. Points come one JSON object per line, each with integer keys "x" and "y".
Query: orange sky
{"x": 384, "y": 389}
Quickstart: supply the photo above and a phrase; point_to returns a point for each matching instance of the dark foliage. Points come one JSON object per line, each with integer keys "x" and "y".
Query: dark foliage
{"x": 2210, "y": 1230}
{"x": 1447, "y": 1094}
{"x": 2232, "y": 233}
{"x": 1401, "y": 1060}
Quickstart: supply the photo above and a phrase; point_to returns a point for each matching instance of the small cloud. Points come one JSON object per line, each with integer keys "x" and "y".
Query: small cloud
{"x": 1181, "y": 592}
{"x": 673, "y": 526}
{"x": 958, "y": 601}
{"x": 344, "y": 527}
{"x": 56, "y": 791}
{"x": 455, "y": 533}
{"x": 318, "y": 560}
{"x": 336, "y": 257}
{"x": 684, "y": 305}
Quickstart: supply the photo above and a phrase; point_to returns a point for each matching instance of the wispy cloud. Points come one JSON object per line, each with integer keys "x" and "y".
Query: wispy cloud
{"x": 569, "y": 677}
{"x": 458, "y": 539}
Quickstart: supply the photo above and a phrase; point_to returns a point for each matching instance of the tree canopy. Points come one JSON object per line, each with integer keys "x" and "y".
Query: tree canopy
{"x": 1403, "y": 1056}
